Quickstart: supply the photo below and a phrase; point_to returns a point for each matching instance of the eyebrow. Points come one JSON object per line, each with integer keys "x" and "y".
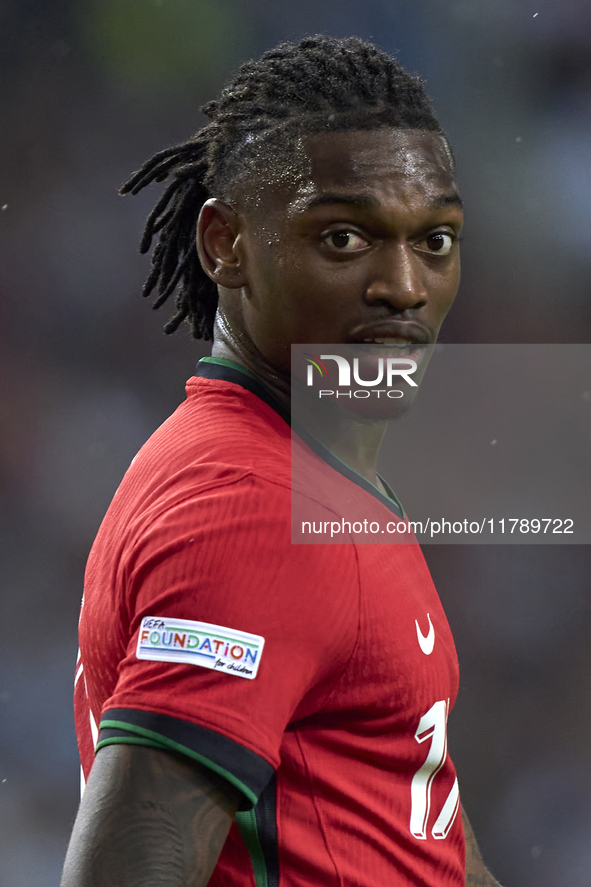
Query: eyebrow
{"x": 366, "y": 201}
{"x": 361, "y": 201}
{"x": 452, "y": 199}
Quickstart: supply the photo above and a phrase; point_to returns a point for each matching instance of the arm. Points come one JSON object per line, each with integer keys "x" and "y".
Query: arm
{"x": 148, "y": 819}
{"x": 477, "y": 875}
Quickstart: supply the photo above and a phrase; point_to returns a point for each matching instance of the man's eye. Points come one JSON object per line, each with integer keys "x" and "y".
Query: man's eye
{"x": 346, "y": 241}
{"x": 439, "y": 243}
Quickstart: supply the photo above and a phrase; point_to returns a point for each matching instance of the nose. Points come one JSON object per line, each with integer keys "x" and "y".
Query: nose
{"x": 398, "y": 279}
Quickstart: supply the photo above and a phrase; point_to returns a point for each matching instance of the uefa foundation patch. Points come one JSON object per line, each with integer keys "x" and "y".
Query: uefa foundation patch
{"x": 200, "y": 643}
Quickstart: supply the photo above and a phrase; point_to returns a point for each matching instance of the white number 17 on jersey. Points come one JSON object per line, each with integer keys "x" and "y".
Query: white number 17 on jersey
{"x": 433, "y": 725}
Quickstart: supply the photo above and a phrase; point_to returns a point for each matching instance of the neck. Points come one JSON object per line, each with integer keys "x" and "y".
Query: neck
{"x": 355, "y": 440}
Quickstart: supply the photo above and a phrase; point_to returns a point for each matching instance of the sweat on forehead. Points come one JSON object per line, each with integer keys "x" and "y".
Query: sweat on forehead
{"x": 295, "y": 169}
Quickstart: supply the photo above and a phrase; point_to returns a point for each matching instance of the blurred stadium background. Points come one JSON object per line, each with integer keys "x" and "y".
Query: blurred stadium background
{"x": 89, "y": 89}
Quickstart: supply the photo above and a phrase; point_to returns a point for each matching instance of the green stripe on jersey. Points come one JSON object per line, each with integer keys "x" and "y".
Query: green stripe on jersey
{"x": 128, "y": 740}
{"x": 165, "y": 742}
{"x": 247, "y": 823}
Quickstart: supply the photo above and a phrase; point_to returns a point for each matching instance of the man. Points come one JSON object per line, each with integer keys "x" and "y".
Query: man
{"x": 326, "y": 209}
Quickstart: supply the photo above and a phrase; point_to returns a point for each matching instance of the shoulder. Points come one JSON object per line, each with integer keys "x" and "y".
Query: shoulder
{"x": 237, "y": 525}
{"x": 220, "y": 435}
{"x": 222, "y": 424}
{"x": 210, "y": 494}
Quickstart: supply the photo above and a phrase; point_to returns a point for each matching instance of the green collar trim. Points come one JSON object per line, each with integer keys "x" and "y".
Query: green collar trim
{"x": 224, "y": 362}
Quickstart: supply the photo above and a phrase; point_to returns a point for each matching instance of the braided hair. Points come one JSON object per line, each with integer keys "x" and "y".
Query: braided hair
{"x": 320, "y": 84}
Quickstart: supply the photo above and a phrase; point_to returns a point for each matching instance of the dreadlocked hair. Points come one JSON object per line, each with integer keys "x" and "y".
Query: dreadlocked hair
{"x": 319, "y": 84}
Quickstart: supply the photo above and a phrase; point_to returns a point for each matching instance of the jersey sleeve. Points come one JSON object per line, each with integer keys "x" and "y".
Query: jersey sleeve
{"x": 234, "y": 633}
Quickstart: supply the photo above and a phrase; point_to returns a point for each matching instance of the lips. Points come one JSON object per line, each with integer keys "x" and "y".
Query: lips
{"x": 394, "y": 338}
{"x": 386, "y": 341}
{"x": 393, "y": 333}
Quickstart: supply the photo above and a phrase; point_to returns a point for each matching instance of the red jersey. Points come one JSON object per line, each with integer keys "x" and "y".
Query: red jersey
{"x": 315, "y": 678}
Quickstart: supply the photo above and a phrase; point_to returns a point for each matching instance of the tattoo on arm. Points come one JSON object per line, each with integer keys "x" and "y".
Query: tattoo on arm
{"x": 148, "y": 819}
{"x": 477, "y": 875}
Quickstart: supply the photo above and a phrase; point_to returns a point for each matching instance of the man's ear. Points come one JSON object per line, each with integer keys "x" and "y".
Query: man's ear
{"x": 218, "y": 230}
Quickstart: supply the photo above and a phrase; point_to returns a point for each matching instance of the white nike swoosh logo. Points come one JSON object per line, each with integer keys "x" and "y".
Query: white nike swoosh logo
{"x": 426, "y": 643}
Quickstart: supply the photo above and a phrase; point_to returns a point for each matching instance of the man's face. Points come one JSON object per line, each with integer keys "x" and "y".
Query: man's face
{"x": 363, "y": 249}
